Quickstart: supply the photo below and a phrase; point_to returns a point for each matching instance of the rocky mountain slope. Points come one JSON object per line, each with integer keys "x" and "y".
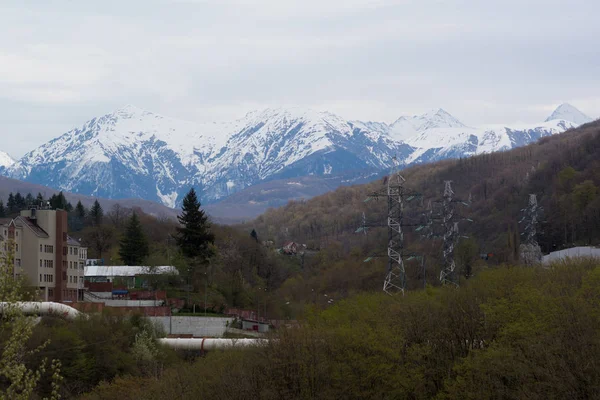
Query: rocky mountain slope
{"x": 133, "y": 153}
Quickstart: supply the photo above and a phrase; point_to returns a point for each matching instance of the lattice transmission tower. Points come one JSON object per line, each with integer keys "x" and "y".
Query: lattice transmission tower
{"x": 397, "y": 196}
{"x": 448, "y": 220}
{"x": 529, "y": 251}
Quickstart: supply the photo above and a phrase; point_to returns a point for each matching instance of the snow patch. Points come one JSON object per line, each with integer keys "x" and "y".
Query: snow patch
{"x": 169, "y": 199}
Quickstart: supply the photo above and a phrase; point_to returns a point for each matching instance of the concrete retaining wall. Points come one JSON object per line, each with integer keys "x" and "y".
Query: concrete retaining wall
{"x": 196, "y": 326}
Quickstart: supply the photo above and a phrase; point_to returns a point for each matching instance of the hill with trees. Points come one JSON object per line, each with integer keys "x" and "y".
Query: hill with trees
{"x": 509, "y": 331}
{"x": 562, "y": 170}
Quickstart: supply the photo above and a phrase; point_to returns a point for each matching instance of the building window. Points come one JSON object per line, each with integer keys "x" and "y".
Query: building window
{"x": 75, "y": 250}
{"x": 40, "y": 263}
{"x": 17, "y": 262}
{"x": 40, "y": 248}
{"x": 65, "y": 251}
{"x": 17, "y": 233}
{"x": 40, "y": 277}
{"x": 16, "y": 246}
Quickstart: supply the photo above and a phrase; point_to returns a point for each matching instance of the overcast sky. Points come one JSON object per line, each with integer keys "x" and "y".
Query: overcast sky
{"x": 508, "y": 61}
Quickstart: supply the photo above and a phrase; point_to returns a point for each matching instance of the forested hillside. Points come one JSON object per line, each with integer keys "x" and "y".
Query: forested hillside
{"x": 562, "y": 170}
{"x": 509, "y": 333}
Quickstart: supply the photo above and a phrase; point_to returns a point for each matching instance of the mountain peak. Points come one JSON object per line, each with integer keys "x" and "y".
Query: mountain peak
{"x": 129, "y": 111}
{"x": 569, "y": 113}
{"x": 405, "y": 127}
{"x": 6, "y": 160}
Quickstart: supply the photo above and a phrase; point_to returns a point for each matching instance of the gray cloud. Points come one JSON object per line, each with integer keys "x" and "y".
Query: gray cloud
{"x": 62, "y": 62}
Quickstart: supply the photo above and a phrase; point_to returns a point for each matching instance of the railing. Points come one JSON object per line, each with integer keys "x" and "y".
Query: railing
{"x": 89, "y": 296}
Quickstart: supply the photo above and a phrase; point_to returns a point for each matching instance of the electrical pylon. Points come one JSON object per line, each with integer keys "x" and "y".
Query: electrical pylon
{"x": 449, "y": 221}
{"x": 397, "y": 195}
{"x": 530, "y": 252}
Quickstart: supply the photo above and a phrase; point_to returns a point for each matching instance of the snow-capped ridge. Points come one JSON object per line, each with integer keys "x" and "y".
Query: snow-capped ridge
{"x": 6, "y": 160}
{"x": 407, "y": 127}
{"x": 132, "y": 152}
{"x": 569, "y": 113}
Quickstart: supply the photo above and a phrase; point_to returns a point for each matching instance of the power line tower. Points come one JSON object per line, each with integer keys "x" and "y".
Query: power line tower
{"x": 397, "y": 196}
{"x": 448, "y": 221}
{"x": 530, "y": 251}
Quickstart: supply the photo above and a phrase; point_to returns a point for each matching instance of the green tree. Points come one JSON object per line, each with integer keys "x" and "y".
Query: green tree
{"x": 39, "y": 199}
{"x": 19, "y": 201}
{"x": 194, "y": 237}
{"x": 195, "y": 240}
{"x": 96, "y": 213}
{"x": 11, "y": 204}
{"x": 2, "y": 210}
{"x": 584, "y": 194}
{"x": 134, "y": 247}
{"x": 80, "y": 211}
{"x": 467, "y": 254}
{"x": 58, "y": 201}
{"x": 19, "y": 380}
{"x": 29, "y": 200}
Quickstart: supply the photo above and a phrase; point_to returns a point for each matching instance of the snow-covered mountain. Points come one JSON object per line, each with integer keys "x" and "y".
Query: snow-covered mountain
{"x": 567, "y": 112}
{"x": 136, "y": 153}
{"x": 5, "y": 160}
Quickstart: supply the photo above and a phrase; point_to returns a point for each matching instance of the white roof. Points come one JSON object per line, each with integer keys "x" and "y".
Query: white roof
{"x": 573, "y": 252}
{"x": 126, "y": 270}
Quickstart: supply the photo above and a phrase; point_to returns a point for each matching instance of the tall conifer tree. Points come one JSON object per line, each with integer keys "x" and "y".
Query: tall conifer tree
{"x": 80, "y": 210}
{"x": 134, "y": 247}
{"x": 96, "y": 213}
{"x": 194, "y": 236}
{"x": 11, "y": 204}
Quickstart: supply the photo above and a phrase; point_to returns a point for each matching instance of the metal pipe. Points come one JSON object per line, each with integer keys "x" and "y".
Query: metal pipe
{"x": 210, "y": 343}
{"x": 44, "y": 308}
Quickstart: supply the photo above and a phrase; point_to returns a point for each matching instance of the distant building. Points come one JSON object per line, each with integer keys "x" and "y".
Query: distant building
{"x": 257, "y": 326}
{"x": 574, "y": 252}
{"x": 128, "y": 276}
{"x": 292, "y": 248}
{"x": 45, "y": 254}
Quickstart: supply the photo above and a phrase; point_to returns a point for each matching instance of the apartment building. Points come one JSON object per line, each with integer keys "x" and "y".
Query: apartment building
{"x": 44, "y": 253}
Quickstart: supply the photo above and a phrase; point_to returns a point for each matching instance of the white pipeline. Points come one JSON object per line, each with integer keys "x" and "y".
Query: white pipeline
{"x": 43, "y": 308}
{"x": 210, "y": 343}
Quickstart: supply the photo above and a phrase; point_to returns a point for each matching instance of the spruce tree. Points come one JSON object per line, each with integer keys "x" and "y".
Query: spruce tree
{"x": 134, "y": 247}
{"x": 2, "y": 210}
{"x": 29, "y": 200}
{"x": 11, "y": 204}
{"x": 80, "y": 210}
{"x": 39, "y": 200}
{"x": 19, "y": 201}
{"x": 194, "y": 236}
{"x": 58, "y": 201}
{"x": 96, "y": 213}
